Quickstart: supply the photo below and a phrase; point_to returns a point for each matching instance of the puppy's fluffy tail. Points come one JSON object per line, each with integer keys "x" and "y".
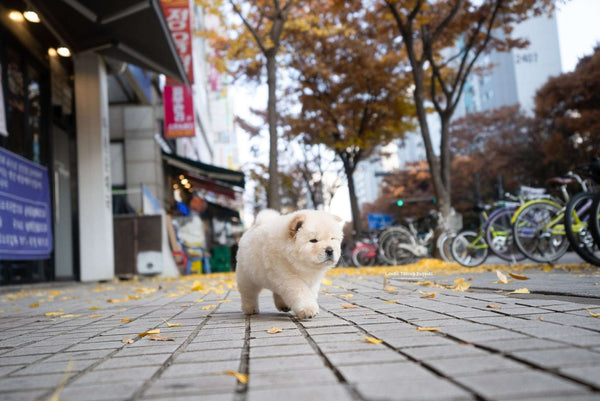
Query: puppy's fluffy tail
{"x": 264, "y": 216}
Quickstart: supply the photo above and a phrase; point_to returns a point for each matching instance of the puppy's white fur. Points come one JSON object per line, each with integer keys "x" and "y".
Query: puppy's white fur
{"x": 289, "y": 255}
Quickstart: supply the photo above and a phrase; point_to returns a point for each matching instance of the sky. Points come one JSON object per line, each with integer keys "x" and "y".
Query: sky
{"x": 578, "y": 31}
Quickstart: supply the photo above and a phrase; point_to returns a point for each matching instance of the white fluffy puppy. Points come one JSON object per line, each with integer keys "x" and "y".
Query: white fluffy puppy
{"x": 289, "y": 255}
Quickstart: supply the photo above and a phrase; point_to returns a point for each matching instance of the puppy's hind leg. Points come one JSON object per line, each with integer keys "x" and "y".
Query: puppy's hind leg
{"x": 249, "y": 294}
{"x": 280, "y": 303}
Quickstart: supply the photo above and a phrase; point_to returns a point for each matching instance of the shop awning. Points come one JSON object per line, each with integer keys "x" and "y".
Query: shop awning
{"x": 134, "y": 31}
{"x": 202, "y": 170}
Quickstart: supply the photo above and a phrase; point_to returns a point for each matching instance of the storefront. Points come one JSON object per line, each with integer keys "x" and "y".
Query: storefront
{"x": 55, "y": 192}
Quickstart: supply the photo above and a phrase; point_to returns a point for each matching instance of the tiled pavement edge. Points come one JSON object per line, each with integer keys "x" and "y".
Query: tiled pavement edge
{"x": 527, "y": 349}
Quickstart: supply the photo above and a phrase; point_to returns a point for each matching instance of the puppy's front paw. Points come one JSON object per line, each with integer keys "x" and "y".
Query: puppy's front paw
{"x": 250, "y": 309}
{"x": 308, "y": 312}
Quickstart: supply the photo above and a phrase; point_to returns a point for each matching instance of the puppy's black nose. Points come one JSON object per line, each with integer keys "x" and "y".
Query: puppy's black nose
{"x": 329, "y": 251}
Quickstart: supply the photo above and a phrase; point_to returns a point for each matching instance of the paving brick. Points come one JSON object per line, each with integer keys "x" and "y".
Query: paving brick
{"x": 376, "y": 372}
{"x": 280, "y": 350}
{"x": 404, "y": 389}
{"x": 336, "y": 392}
{"x": 138, "y": 374}
{"x": 520, "y": 344}
{"x": 193, "y": 386}
{"x": 98, "y": 392}
{"x": 133, "y": 361}
{"x": 588, "y": 374}
{"x": 285, "y": 363}
{"x": 470, "y": 365}
{"x": 177, "y": 370}
{"x": 554, "y": 358}
{"x": 443, "y": 351}
{"x": 367, "y": 356}
{"x": 519, "y": 384}
{"x": 292, "y": 378}
{"x": 209, "y": 355}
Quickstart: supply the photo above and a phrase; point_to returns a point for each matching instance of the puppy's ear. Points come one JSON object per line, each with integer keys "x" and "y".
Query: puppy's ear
{"x": 295, "y": 224}
{"x": 338, "y": 219}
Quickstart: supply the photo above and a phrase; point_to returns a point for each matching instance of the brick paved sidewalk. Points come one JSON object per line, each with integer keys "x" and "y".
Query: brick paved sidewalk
{"x": 521, "y": 349}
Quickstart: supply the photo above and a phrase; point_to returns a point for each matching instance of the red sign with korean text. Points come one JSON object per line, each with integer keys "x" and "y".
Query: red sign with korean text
{"x": 179, "y": 111}
{"x": 179, "y": 17}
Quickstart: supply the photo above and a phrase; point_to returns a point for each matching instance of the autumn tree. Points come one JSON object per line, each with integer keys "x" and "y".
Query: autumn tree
{"x": 568, "y": 107}
{"x": 443, "y": 40}
{"x": 254, "y": 44}
{"x": 349, "y": 84}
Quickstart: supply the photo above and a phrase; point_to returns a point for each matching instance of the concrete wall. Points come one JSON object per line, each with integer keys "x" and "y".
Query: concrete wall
{"x": 136, "y": 126}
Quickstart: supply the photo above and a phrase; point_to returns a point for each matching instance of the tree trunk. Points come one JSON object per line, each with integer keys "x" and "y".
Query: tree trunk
{"x": 273, "y": 196}
{"x": 441, "y": 191}
{"x": 356, "y": 222}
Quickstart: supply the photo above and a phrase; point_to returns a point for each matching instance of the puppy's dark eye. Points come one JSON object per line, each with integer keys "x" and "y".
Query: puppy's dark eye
{"x": 314, "y": 240}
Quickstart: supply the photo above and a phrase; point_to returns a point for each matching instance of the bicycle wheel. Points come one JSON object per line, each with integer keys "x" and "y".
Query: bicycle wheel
{"x": 595, "y": 223}
{"x": 578, "y": 221}
{"x": 389, "y": 249}
{"x": 499, "y": 236}
{"x": 444, "y": 246}
{"x": 539, "y": 232}
{"x": 469, "y": 248}
{"x": 363, "y": 257}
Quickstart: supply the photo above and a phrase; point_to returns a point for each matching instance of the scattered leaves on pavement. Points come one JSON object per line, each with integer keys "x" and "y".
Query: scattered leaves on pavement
{"x": 460, "y": 285}
{"x": 207, "y": 307}
{"x": 94, "y": 316}
{"x": 391, "y": 301}
{"x": 127, "y": 341}
{"x": 428, "y": 329}
{"x": 63, "y": 381}
{"x": 126, "y": 320}
{"x": 520, "y": 291}
{"x": 390, "y": 288}
{"x": 68, "y": 316}
{"x": 494, "y": 306}
{"x": 171, "y": 324}
{"x": 373, "y": 340}
{"x": 518, "y": 276}
{"x": 326, "y": 282}
{"x": 54, "y": 313}
{"x": 592, "y": 313}
{"x": 242, "y": 378}
{"x": 158, "y": 337}
{"x": 502, "y": 279}
{"x": 427, "y": 294}
{"x": 224, "y": 300}
{"x": 346, "y": 295}
{"x": 349, "y": 306}
{"x": 145, "y": 333}
{"x": 94, "y": 308}
{"x": 274, "y": 330}
{"x": 34, "y": 305}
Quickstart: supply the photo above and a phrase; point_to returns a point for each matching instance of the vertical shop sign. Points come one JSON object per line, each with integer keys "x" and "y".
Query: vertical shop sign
{"x": 25, "y": 225}
{"x": 179, "y": 17}
{"x": 3, "y": 130}
{"x": 179, "y": 111}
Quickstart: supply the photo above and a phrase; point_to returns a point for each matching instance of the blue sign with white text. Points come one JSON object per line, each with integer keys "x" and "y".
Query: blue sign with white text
{"x": 377, "y": 221}
{"x": 25, "y": 211}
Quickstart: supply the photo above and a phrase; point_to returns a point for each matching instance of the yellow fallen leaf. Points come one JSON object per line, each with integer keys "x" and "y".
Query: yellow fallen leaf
{"x": 427, "y": 294}
{"x": 326, "y": 282}
{"x": 224, "y": 300}
{"x": 145, "y": 333}
{"x": 172, "y": 324}
{"x": 347, "y": 295}
{"x": 349, "y": 306}
{"x": 54, "y": 313}
{"x": 55, "y": 293}
{"x": 460, "y": 285}
{"x": 94, "y": 316}
{"x": 68, "y": 316}
{"x": 373, "y": 340}
{"x": 126, "y": 320}
{"x": 94, "y": 308}
{"x": 391, "y": 302}
{"x": 518, "y": 276}
{"x": 547, "y": 268}
{"x": 63, "y": 381}
{"x": 34, "y": 305}
{"x": 594, "y": 314}
{"x": 540, "y": 318}
{"x": 207, "y": 307}
{"x": 502, "y": 277}
{"x": 274, "y": 330}
{"x": 428, "y": 329}
{"x": 242, "y": 378}
{"x": 390, "y": 288}
{"x": 199, "y": 300}
{"x": 158, "y": 337}
{"x": 426, "y": 283}
{"x": 116, "y": 301}
{"x": 134, "y": 297}
{"x": 494, "y": 306}
{"x": 127, "y": 341}
{"x": 173, "y": 295}
{"x": 520, "y": 291}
